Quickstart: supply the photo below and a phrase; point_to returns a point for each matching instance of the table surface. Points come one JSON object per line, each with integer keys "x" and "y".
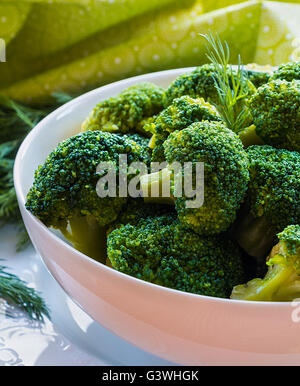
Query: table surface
{"x": 70, "y": 338}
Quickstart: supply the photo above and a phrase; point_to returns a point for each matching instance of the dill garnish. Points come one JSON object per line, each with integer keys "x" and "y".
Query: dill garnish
{"x": 231, "y": 83}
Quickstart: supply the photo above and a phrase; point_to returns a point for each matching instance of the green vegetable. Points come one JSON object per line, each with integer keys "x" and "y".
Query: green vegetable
{"x": 282, "y": 280}
{"x": 196, "y": 84}
{"x": 232, "y": 85}
{"x": 180, "y": 114}
{"x": 143, "y": 142}
{"x": 288, "y": 71}
{"x": 145, "y": 127}
{"x": 219, "y": 84}
{"x": 136, "y": 209}
{"x": 275, "y": 110}
{"x": 226, "y": 175}
{"x": 126, "y": 111}
{"x": 16, "y": 291}
{"x": 273, "y": 200}
{"x": 161, "y": 251}
{"x": 64, "y": 190}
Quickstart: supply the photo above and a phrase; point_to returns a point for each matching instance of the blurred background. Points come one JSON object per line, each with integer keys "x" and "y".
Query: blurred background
{"x": 77, "y": 45}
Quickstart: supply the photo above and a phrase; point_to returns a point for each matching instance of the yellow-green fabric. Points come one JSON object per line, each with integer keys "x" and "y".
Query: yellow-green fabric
{"x": 75, "y": 45}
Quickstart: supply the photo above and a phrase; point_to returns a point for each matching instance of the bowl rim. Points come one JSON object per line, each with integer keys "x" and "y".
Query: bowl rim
{"x": 35, "y": 131}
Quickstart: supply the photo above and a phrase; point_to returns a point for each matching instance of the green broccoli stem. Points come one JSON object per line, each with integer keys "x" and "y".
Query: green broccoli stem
{"x": 154, "y": 185}
{"x": 87, "y": 236}
{"x": 249, "y": 137}
{"x": 152, "y": 141}
{"x": 267, "y": 289}
{"x": 256, "y": 236}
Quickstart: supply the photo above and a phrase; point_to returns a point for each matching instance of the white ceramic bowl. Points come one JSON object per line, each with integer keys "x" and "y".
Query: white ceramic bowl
{"x": 185, "y": 328}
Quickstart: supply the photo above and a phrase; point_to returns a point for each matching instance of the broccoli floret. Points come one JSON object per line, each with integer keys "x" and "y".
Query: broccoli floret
{"x": 161, "y": 251}
{"x": 125, "y": 112}
{"x": 288, "y": 71}
{"x": 181, "y": 113}
{"x": 199, "y": 83}
{"x": 64, "y": 189}
{"x": 272, "y": 201}
{"x": 136, "y": 209}
{"x": 275, "y": 111}
{"x": 282, "y": 280}
{"x": 257, "y": 74}
{"x": 145, "y": 127}
{"x": 226, "y": 175}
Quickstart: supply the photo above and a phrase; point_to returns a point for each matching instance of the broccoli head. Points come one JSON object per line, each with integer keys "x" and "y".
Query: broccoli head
{"x": 64, "y": 189}
{"x": 273, "y": 200}
{"x": 288, "y": 71}
{"x": 125, "y": 112}
{"x": 159, "y": 250}
{"x": 282, "y": 280}
{"x": 275, "y": 111}
{"x": 226, "y": 175}
{"x": 181, "y": 113}
{"x": 200, "y": 83}
{"x": 143, "y": 142}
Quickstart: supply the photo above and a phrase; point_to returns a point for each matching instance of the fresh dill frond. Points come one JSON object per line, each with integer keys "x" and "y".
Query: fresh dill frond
{"x": 9, "y": 211}
{"x": 61, "y": 97}
{"x": 232, "y": 84}
{"x": 16, "y": 120}
{"x": 16, "y": 292}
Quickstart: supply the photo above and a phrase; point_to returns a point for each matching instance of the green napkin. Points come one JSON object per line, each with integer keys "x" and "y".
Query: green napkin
{"x": 78, "y": 45}
{"x": 12, "y": 18}
{"x": 51, "y": 29}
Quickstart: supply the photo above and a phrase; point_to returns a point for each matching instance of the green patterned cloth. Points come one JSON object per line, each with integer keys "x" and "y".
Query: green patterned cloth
{"x": 76, "y": 45}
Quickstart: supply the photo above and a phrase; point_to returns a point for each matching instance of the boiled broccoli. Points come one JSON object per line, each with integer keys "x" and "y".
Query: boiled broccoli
{"x": 64, "y": 189}
{"x": 226, "y": 175}
{"x": 159, "y": 250}
{"x": 273, "y": 199}
{"x": 288, "y": 71}
{"x": 200, "y": 83}
{"x": 282, "y": 280}
{"x": 143, "y": 142}
{"x": 125, "y": 112}
{"x": 275, "y": 111}
{"x": 258, "y": 75}
{"x": 145, "y": 127}
{"x": 181, "y": 113}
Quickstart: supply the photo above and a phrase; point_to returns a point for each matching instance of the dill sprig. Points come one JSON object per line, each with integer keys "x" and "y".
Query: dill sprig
{"x": 230, "y": 84}
{"x": 16, "y": 292}
{"x": 17, "y": 120}
{"x": 8, "y": 202}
